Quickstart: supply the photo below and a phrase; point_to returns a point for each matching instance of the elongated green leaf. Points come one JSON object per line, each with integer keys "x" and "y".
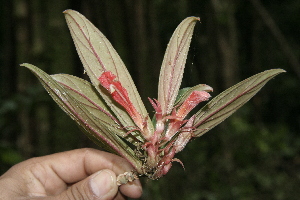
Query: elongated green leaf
{"x": 98, "y": 56}
{"x": 101, "y": 130}
{"x": 87, "y": 96}
{"x": 226, "y": 103}
{"x": 173, "y": 64}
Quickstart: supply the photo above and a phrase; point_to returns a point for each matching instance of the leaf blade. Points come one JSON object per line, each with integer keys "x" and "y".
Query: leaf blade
{"x": 98, "y": 55}
{"x": 87, "y": 96}
{"x": 226, "y": 103}
{"x": 102, "y": 132}
{"x": 173, "y": 64}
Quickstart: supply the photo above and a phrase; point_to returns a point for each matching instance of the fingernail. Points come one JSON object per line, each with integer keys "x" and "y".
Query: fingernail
{"x": 101, "y": 183}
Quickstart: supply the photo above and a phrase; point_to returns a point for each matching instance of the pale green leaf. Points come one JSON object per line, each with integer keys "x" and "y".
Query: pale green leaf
{"x": 101, "y": 130}
{"x": 98, "y": 55}
{"x": 88, "y": 97}
{"x": 226, "y": 103}
{"x": 173, "y": 64}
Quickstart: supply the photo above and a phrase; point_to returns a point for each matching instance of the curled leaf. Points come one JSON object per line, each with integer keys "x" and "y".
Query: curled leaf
{"x": 185, "y": 92}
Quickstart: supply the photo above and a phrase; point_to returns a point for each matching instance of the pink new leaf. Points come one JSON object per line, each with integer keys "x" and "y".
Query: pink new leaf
{"x": 120, "y": 95}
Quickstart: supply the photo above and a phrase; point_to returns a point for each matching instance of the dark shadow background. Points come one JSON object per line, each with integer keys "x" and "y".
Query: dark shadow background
{"x": 252, "y": 155}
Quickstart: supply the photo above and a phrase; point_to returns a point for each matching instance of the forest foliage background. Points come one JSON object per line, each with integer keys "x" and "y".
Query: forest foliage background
{"x": 252, "y": 155}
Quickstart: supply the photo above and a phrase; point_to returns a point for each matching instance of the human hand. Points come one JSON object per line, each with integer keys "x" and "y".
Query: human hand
{"x": 77, "y": 174}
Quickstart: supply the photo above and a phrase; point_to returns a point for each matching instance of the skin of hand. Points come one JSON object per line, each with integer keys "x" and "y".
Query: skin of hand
{"x": 77, "y": 174}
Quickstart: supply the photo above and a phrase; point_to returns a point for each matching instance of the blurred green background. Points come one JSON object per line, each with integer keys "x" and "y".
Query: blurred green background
{"x": 252, "y": 155}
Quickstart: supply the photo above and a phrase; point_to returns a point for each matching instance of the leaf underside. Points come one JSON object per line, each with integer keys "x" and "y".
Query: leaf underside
{"x": 95, "y": 122}
{"x": 98, "y": 55}
{"x": 173, "y": 64}
{"x": 85, "y": 93}
{"x": 226, "y": 103}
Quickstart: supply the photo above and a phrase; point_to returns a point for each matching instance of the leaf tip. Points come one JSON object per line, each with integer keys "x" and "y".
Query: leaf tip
{"x": 282, "y": 70}
{"x": 276, "y": 71}
{"x": 25, "y": 65}
{"x": 67, "y": 11}
{"x": 70, "y": 12}
{"x": 194, "y": 18}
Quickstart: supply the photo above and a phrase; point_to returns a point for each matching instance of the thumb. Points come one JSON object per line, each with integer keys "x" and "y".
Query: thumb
{"x": 99, "y": 186}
